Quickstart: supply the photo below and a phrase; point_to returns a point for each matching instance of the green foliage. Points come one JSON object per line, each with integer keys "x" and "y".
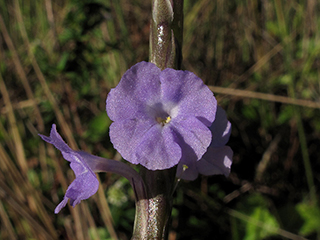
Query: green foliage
{"x": 269, "y": 228}
{"x": 63, "y": 62}
{"x": 260, "y": 222}
{"x": 310, "y": 213}
{"x": 286, "y": 114}
{"x": 98, "y": 127}
{"x": 249, "y": 112}
{"x": 102, "y": 232}
{"x": 116, "y": 194}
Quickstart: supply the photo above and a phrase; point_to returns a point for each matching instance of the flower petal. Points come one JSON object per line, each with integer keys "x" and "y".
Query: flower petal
{"x": 220, "y": 128}
{"x": 158, "y": 149}
{"x": 84, "y": 186}
{"x": 216, "y": 161}
{"x": 61, "y": 205}
{"x": 56, "y": 140}
{"x": 138, "y": 86}
{"x": 194, "y": 133}
{"x": 191, "y": 95}
{"x": 126, "y": 135}
{"x": 187, "y": 168}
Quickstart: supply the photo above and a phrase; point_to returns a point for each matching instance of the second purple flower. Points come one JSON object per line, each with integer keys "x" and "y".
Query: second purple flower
{"x": 158, "y": 115}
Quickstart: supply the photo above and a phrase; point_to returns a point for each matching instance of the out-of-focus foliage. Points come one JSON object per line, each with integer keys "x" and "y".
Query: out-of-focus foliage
{"x": 311, "y": 217}
{"x": 262, "y": 223}
{"x": 58, "y": 61}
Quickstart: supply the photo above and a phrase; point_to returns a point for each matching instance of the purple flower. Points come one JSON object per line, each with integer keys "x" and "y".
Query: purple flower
{"x": 160, "y": 116}
{"x": 217, "y": 159}
{"x": 84, "y": 166}
{"x": 86, "y": 183}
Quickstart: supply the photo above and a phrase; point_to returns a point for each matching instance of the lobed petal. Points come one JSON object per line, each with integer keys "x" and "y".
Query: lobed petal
{"x": 126, "y": 136}
{"x": 137, "y": 87}
{"x": 216, "y": 161}
{"x": 56, "y": 140}
{"x": 191, "y": 96}
{"x": 84, "y": 186}
{"x": 194, "y": 133}
{"x": 220, "y": 128}
{"x": 158, "y": 149}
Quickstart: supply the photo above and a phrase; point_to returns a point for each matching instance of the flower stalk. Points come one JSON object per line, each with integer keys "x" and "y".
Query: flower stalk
{"x": 157, "y": 206}
{"x": 166, "y": 31}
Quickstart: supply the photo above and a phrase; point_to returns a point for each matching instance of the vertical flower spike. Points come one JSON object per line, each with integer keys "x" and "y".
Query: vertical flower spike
{"x": 86, "y": 183}
{"x": 217, "y": 159}
{"x": 157, "y": 114}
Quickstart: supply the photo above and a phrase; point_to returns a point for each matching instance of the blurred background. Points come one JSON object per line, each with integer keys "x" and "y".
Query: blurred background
{"x": 60, "y": 58}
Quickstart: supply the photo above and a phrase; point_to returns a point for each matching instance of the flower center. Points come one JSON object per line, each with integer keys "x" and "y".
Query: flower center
{"x": 163, "y": 121}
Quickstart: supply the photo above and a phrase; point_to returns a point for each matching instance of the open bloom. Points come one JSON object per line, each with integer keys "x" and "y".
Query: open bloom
{"x": 84, "y": 165}
{"x": 217, "y": 159}
{"x": 160, "y": 116}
